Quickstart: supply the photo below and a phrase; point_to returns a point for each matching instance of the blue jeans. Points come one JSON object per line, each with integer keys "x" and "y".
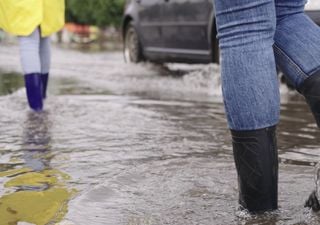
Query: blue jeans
{"x": 254, "y": 36}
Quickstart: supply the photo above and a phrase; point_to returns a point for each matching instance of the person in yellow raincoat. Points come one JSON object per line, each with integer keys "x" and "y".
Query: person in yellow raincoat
{"x": 33, "y": 21}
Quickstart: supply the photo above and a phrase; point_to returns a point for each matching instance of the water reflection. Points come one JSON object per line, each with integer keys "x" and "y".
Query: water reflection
{"x": 10, "y": 82}
{"x": 36, "y": 141}
{"x": 298, "y": 134}
{"x": 143, "y": 145}
{"x": 35, "y": 192}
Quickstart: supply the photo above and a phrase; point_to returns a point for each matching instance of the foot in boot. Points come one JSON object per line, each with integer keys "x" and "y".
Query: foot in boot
{"x": 33, "y": 85}
{"x": 44, "y": 78}
{"x": 310, "y": 89}
{"x": 256, "y": 158}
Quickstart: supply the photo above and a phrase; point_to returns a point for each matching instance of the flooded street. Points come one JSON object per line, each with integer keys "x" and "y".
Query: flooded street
{"x": 122, "y": 144}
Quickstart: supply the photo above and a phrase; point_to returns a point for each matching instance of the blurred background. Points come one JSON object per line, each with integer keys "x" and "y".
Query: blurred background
{"x": 90, "y": 24}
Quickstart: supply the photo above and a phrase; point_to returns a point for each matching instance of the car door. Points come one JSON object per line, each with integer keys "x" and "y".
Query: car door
{"x": 150, "y": 18}
{"x": 185, "y": 26}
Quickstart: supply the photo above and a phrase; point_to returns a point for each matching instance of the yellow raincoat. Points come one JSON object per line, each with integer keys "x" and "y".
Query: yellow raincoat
{"x": 22, "y": 17}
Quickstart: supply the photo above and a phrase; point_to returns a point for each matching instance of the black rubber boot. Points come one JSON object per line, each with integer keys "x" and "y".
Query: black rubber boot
{"x": 310, "y": 89}
{"x": 256, "y": 158}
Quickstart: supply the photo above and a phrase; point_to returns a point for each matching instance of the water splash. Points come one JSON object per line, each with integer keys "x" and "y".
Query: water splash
{"x": 142, "y": 144}
{"x": 317, "y": 179}
{"x": 313, "y": 200}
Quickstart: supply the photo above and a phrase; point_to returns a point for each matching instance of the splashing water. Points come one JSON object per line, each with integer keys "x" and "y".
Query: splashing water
{"x": 313, "y": 200}
{"x": 142, "y": 145}
{"x": 317, "y": 179}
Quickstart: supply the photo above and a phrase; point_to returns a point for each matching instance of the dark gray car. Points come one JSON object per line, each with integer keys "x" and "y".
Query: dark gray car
{"x": 176, "y": 30}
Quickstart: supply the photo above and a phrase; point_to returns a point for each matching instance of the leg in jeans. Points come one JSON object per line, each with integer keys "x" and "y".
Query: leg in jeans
{"x": 30, "y": 60}
{"x": 250, "y": 87}
{"x": 246, "y": 31}
{"x": 45, "y": 58}
{"x": 297, "y": 50}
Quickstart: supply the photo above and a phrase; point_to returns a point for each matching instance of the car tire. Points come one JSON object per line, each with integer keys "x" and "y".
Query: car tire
{"x": 132, "y": 46}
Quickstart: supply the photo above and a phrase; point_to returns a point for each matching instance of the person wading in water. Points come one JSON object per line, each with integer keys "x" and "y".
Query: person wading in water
{"x": 33, "y": 21}
{"x": 255, "y": 36}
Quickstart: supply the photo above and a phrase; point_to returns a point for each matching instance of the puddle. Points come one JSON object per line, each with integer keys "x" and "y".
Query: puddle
{"x": 141, "y": 144}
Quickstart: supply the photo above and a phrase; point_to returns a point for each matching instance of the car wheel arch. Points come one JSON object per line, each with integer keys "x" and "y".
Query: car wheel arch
{"x": 127, "y": 20}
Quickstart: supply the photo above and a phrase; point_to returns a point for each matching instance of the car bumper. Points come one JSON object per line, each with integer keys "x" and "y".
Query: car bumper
{"x": 314, "y": 15}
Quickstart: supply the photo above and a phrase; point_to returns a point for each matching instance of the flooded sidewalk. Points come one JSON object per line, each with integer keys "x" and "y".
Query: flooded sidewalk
{"x": 143, "y": 144}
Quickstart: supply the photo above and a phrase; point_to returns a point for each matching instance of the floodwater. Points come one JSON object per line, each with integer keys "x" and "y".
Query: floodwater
{"x": 139, "y": 144}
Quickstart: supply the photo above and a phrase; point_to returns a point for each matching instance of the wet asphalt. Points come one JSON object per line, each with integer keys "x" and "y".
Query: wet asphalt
{"x": 144, "y": 144}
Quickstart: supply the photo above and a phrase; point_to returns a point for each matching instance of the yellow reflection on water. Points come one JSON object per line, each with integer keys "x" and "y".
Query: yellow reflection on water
{"x": 40, "y": 198}
{"x": 14, "y": 172}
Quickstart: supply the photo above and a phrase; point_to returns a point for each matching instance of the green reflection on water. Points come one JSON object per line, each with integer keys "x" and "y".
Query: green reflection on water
{"x": 10, "y": 82}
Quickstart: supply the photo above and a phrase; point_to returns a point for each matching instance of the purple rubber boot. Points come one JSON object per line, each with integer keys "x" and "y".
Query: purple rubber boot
{"x": 34, "y": 90}
{"x": 44, "y": 78}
